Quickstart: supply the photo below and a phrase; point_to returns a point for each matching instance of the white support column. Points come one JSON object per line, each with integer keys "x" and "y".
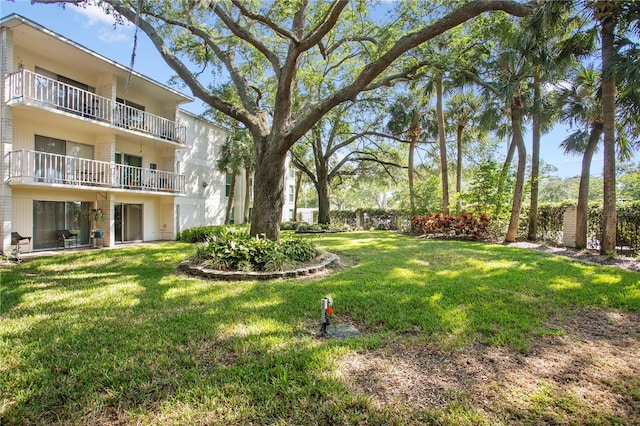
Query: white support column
{"x": 108, "y": 222}
{"x": 569, "y": 227}
{"x": 167, "y": 218}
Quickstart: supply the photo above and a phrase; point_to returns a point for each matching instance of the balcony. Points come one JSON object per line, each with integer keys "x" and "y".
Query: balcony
{"x": 37, "y": 90}
{"x": 41, "y": 168}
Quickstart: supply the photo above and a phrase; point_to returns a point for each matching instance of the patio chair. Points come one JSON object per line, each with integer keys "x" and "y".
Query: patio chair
{"x": 18, "y": 240}
{"x": 65, "y": 237}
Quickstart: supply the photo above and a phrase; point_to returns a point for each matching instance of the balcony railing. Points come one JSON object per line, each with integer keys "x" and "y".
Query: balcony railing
{"x": 27, "y": 86}
{"x": 42, "y": 167}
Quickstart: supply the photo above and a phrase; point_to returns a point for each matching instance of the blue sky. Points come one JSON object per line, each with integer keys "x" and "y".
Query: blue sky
{"x": 95, "y": 30}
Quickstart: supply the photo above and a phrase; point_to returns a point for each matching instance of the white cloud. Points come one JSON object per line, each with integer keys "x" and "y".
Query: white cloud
{"x": 94, "y": 15}
{"x": 113, "y": 36}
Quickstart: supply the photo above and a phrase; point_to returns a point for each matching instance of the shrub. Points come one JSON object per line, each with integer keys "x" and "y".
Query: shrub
{"x": 228, "y": 248}
{"x": 342, "y": 218}
{"x": 200, "y": 234}
{"x": 298, "y": 250}
{"x": 463, "y": 225}
{"x": 291, "y": 225}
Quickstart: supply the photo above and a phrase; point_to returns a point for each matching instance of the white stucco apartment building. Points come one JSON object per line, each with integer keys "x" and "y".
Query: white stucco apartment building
{"x": 81, "y": 133}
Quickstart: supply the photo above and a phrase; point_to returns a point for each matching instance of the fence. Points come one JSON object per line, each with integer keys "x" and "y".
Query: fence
{"x": 550, "y": 225}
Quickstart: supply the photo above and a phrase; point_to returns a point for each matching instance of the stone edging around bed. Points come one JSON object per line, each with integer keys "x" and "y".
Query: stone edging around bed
{"x": 189, "y": 268}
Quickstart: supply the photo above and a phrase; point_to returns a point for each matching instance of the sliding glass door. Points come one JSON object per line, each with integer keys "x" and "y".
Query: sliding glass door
{"x": 50, "y": 216}
{"x": 128, "y": 222}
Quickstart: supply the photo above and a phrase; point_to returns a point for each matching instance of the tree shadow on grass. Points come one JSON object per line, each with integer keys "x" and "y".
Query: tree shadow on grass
{"x": 130, "y": 341}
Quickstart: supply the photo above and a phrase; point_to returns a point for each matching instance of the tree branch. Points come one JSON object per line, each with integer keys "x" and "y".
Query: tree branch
{"x": 226, "y": 58}
{"x": 404, "y": 44}
{"x": 264, "y": 20}
{"x": 178, "y": 66}
{"x": 325, "y": 25}
{"x": 473, "y": 77}
{"x": 339, "y": 43}
{"x": 250, "y": 38}
{"x": 303, "y": 167}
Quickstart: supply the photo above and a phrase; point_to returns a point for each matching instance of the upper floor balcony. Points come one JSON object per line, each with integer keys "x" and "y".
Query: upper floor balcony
{"x": 40, "y": 168}
{"x": 40, "y": 91}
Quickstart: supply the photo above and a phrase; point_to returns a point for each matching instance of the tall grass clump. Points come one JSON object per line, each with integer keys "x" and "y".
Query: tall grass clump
{"x": 226, "y": 248}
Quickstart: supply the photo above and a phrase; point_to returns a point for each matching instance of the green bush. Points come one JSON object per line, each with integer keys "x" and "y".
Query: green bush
{"x": 298, "y": 250}
{"x": 291, "y": 225}
{"x": 200, "y": 234}
{"x": 228, "y": 248}
{"x": 343, "y": 218}
{"x": 550, "y": 222}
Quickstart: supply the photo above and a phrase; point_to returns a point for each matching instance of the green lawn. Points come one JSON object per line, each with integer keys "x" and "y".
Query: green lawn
{"x": 117, "y": 337}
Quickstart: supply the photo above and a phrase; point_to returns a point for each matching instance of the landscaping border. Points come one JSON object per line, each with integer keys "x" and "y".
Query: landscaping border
{"x": 308, "y": 269}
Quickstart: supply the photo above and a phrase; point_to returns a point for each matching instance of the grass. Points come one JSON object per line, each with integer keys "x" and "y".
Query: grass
{"x": 116, "y": 336}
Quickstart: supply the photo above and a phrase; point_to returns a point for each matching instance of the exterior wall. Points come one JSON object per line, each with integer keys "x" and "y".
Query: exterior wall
{"x": 308, "y": 214}
{"x": 6, "y": 142}
{"x": 289, "y": 192}
{"x": 205, "y": 201}
{"x": 21, "y": 122}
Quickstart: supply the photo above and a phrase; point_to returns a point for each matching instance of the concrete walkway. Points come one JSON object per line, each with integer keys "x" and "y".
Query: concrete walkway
{"x": 53, "y": 252}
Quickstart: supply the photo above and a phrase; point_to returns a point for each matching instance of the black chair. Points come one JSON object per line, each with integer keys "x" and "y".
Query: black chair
{"x": 18, "y": 240}
{"x": 63, "y": 236}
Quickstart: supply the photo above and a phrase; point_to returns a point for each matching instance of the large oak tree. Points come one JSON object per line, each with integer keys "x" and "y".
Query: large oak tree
{"x": 257, "y": 50}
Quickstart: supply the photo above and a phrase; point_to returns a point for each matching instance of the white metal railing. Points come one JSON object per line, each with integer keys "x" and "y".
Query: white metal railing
{"x": 42, "y": 167}
{"x": 25, "y": 85}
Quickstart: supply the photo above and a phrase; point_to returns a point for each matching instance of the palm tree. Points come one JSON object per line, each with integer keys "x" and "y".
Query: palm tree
{"x": 580, "y": 105}
{"x": 551, "y": 42}
{"x": 235, "y": 154}
{"x": 407, "y": 118}
{"x": 464, "y": 109}
{"x": 442, "y": 142}
{"x": 510, "y": 74}
{"x": 606, "y": 12}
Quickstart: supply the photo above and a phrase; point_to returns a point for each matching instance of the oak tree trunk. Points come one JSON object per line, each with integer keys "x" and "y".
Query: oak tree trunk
{"x": 295, "y": 199}
{"x": 268, "y": 197}
{"x": 323, "y": 200}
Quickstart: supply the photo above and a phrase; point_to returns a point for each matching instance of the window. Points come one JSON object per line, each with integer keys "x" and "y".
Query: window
{"x": 50, "y": 216}
{"x": 67, "y": 94}
{"x": 52, "y": 160}
{"x": 129, "y": 114}
{"x": 130, "y": 176}
{"x": 227, "y": 186}
{"x": 292, "y": 172}
{"x": 291, "y": 193}
{"x": 232, "y": 219}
